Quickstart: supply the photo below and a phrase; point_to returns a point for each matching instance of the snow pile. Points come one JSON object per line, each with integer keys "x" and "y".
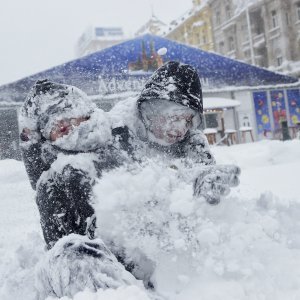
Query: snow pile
{"x": 122, "y": 293}
{"x": 162, "y": 51}
{"x": 148, "y": 208}
{"x": 241, "y": 5}
{"x": 247, "y": 247}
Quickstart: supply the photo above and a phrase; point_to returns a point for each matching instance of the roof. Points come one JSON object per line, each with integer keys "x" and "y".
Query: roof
{"x": 214, "y": 103}
{"x": 127, "y": 65}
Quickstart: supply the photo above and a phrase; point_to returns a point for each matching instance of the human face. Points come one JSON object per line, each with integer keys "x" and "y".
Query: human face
{"x": 63, "y": 127}
{"x": 171, "y": 128}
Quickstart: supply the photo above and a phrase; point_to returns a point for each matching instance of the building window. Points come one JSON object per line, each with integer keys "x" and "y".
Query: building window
{"x": 218, "y": 18}
{"x": 221, "y": 47}
{"x": 231, "y": 45}
{"x": 274, "y": 19}
{"x": 279, "y": 61}
{"x": 211, "y": 120}
{"x": 287, "y": 18}
{"x": 298, "y": 11}
{"x": 228, "y": 11}
{"x": 204, "y": 39}
{"x": 247, "y": 54}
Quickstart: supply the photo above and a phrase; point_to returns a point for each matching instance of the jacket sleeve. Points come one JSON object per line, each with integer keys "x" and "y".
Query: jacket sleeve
{"x": 31, "y": 142}
{"x": 198, "y": 149}
{"x": 34, "y": 164}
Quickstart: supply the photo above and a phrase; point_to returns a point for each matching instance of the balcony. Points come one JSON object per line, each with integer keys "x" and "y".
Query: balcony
{"x": 259, "y": 41}
{"x": 231, "y": 54}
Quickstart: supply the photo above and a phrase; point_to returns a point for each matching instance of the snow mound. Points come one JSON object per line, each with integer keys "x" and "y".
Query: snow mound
{"x": 152, "y": 208}
{"x": 121, "y": 293}
{"x": 247, "y": 247}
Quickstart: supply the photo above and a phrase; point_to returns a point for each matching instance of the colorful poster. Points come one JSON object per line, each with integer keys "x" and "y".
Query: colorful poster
{"x": 262, "y": 114}
{"x": 278, "y": 108}
{"x": 293, "y": 97}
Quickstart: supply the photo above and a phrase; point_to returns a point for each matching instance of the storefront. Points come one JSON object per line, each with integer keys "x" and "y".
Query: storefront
{"x": 220, "y": 119}
{"x": 266, "y": 110}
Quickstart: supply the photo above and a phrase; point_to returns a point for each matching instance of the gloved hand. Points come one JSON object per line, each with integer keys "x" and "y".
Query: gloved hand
{"x": 215, "y": 181}
{"x": 76, "y": 263}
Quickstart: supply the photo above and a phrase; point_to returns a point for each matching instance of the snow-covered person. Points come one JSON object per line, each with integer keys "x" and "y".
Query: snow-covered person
{"x": 52, "y": 119}
{"x": 67, "y": 142}
{"x": 166, "y": 121}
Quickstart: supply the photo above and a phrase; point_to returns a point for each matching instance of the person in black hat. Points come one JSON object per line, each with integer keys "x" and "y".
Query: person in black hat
{"x": 166, "y": 121}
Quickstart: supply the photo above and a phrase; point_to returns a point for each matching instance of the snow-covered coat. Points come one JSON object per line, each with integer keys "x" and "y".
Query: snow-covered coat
{"x": 49, "y": 102}
{"x": 178, "y": 83}
{"x": 63, "y": 171}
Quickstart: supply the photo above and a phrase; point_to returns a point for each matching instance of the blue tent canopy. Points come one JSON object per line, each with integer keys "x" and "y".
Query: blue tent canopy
{"x": 124, "y": 66}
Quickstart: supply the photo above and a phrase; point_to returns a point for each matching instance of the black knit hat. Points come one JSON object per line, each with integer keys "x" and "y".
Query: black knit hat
{"x": 175, "y": 82}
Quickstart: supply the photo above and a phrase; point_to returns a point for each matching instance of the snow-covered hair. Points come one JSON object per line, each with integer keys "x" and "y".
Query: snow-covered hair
{"x": 48, "y": 102}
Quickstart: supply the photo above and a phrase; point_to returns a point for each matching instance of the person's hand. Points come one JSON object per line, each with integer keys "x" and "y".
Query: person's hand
{"x": 215, "y": 181}
{"x": 25, "y": 135}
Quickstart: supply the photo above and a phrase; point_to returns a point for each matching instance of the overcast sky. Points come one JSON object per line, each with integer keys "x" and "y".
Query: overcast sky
{"x": 38, "y": 34}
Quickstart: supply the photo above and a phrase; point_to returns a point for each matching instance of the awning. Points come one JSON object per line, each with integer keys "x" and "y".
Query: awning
{"x": 127, "y": 66}
{"x": 219, "y": 103}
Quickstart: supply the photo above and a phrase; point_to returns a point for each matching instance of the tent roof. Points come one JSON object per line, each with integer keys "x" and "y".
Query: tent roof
{"x": 126, "y": 61}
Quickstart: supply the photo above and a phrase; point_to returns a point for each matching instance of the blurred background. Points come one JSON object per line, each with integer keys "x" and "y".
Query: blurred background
{"x": 246, "y": 53}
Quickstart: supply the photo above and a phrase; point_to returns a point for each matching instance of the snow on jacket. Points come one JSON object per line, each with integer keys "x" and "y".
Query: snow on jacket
{"x": 46, "y": 104}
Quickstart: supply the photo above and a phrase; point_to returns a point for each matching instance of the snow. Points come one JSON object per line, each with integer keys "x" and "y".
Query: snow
{"x": 247, "y": 247}
{"x": 241, "y": 5}
{"x": 198, "y": 24}
{"x": 246, "y": 128}
{"x": 230, "y": 131}
{"x": 210, "y": 130}
{"x": 213, "y": 103}
{"x": 162, "y": 51}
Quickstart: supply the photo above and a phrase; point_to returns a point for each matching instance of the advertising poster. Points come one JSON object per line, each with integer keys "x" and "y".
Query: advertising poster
{"x": 278, "y": 108}
{"x": 262, "y": 114}
{"x": 293, "y": 97}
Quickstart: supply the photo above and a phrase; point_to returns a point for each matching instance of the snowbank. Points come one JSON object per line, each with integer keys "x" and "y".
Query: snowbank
{"x": 247, "y": 247}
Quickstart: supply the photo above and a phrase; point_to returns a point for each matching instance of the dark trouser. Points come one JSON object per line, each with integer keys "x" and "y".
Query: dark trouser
{"x": 64, "y": 202}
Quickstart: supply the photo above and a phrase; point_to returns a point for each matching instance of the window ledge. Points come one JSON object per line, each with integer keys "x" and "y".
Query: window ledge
{"x": 274, "y": 29}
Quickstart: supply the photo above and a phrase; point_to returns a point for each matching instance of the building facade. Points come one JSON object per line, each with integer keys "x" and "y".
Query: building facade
{"x": 265, "y": 33}
{"x": 194, "y": 27}
{"x": 98, "y": 38}
{"x": 153, "y": 26}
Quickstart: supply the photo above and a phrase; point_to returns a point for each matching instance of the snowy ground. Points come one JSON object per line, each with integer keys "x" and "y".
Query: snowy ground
{"x": 249, "y": 245}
